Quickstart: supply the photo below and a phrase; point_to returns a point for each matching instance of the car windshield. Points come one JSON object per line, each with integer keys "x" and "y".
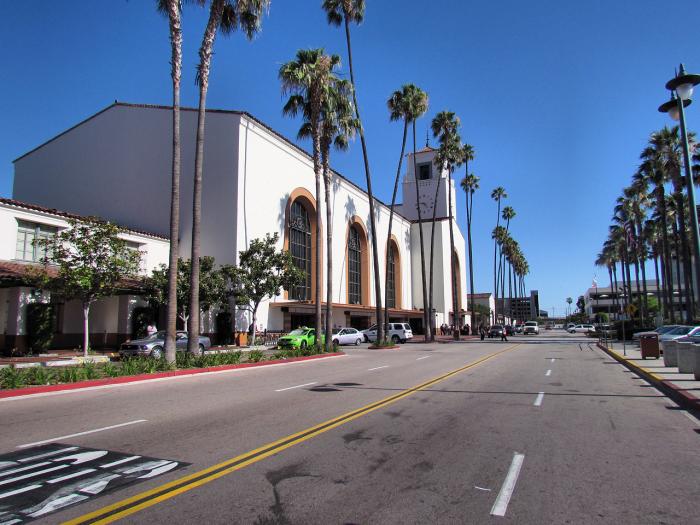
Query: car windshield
{"x": 497, "y": 326}
{"x": 681, "y": 330}
{"x": 157, "y": 335}
{"x": 531, "y": 323}
{"x": 336, "y": 330}
{"x": 665, "y": 329}
{"x": 298, "y": 331}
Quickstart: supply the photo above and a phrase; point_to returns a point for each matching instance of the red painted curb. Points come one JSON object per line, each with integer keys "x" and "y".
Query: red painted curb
{"x": 682, "y": 397}
{"x": 395, "y": 347}
{"x": 143, "y": 377}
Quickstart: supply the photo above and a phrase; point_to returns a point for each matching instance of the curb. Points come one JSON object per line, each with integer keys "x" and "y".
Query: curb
{"x": 684, "y": 399}
{"x": 395, "y": 347}
{"x": 27, "y": 391}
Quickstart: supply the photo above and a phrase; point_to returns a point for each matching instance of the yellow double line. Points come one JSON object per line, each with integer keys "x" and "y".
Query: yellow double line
{"x": 169, "y": 490}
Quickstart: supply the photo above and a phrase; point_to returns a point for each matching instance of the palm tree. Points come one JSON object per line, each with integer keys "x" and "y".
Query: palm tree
{"x": 308, "y": 79}
{"x": 569, "y": 300}
{"x": 226, "y": 16}
{"x": 449, "y": 155}
{"x": 171, "y": 8}
{"x": 507, "y": 214}
{"x": 344, "y": 12}
{"x": 407, "y": 104}
{"x": 497, "y": 194}
{"x": 470, "y": 183}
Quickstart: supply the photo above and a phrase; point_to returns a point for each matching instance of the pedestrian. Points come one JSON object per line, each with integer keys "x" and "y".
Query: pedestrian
{"x": 467, "y": 329}
{"x": 151, "y": 329}
{"x": 482, "y": 332}
{"x": 503, "y": 335}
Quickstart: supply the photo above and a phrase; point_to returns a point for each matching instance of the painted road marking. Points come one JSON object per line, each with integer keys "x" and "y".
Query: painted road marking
{"x": 125, "y": 460}
{"x": 377, "y": 368}
{"x": 549, "y": 373}
{"x": 73, "y": 478}
{"x": 146, "y": 499}
{"x": 501, "y": 504}
{"x": 538, "y": 400}
{"x": 424, "y": 357}
{"x": 297, "y": 386}
{"x": 30, "y": 467}
{"x": 27, "y": 445}
{"x": 48, "y": 454}
{"x": 551, "y": 360}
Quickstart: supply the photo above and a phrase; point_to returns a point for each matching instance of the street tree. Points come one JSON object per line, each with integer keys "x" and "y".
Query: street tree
{"x": 497, "y": 194}
{"x": 470, "y": 183}
{"x": 172, "y": 8}
{"x": 87, "y": 261}
{"x": 212, "y": 288}
{"x": 261, "y": 273}
{"x": 226, "y": 16}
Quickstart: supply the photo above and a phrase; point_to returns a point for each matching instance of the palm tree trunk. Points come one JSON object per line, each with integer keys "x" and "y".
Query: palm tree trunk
{"x": 678, "y": 269}
{"x": 659, "y": 300}
{"x": 432, "y": 255}
{"x": 470, "y": 208}
{"x": 318, "y": 323}
{"x": 683, "y": 253}
{"x": 373, "y": 218}
{"x": 453, "y": 262}
{"x": 329, "y": 250}
{"x": 205, "y": 54}
{"x": 427, "y": 315}
{"x": 495, "y": 276}
{"x": 391, "y": 219}
{"x": 176, "y": 74}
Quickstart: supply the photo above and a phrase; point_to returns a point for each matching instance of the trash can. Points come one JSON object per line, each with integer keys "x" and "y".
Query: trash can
{"x": 650, "y": 345}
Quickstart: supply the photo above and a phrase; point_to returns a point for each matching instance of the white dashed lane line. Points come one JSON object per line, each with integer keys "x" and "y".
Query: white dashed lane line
{"x": 60, "y": 438}
{"x": 424, "y": 357}
{"x": 296, "y": 386}
{"x": 501, "y": 504}
{"x": 538, "y": 400}
{"x": 377, "y": 368}
{"x": 549, "y": 373}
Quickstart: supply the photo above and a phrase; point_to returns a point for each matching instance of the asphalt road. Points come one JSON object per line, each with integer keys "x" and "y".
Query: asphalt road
{"x": 542, "y": 429}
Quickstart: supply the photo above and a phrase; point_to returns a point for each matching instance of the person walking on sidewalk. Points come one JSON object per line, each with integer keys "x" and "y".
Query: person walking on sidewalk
{"x": 503, "y": 335}
{"x": 482, "y": 332}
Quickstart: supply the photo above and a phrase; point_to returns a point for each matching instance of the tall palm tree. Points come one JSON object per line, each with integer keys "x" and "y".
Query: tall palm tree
{"x": 171, "y": 8}
{"x": 338, "y": 126}
{"x": 344, "y": 12}
{"x": 497, "y": 194}
{"x": 470, "y": 183}
{"x": 407, "y": 104}
{"x": 445, "y": 127}
{"x": 225, "y": 16}
{"x": 308, "y": 79}
{"x": 507, "y": 214}
{"x": 449, "y": 156}
{"x": 569, "y": 300}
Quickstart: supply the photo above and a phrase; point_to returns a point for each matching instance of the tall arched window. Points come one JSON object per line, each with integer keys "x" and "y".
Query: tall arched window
{"x": 391, "y": 278}
{"x": 300, "y": 248}
{"x": 354, "y": 267}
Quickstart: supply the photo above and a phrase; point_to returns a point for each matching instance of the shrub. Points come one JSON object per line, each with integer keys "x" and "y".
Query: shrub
{"x": 12, "y": 377}
{"x": 70, "y": 374}
{"x": 255, "y": 356}
{"x": 232, "y": 358}
{"x": 129, "y": 366}
{"x": 40, "y": 375}
{"x": 40, "y": 323}
{"x": 162, "y": 365}
{"x": 89, "y": 370}
{"x": 110, "y": 370}
{"x": 184, "y": 360}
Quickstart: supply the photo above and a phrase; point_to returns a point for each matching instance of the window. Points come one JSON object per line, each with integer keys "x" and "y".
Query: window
{"x": 27, "y": 234}
{"x": 391, "y": 279}
{"x": 300, "y": 248}
{"x": 424, "y": 171}
{"x": 142, "y": 254}
{"x": 354, "y": 267}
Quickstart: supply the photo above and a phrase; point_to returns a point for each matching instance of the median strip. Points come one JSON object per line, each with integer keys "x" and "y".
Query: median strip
{"x": 146, "y": 499}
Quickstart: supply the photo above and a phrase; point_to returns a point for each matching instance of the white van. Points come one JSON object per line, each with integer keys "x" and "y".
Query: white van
{"x": 398, "y": 332}
{"x": 531, "y": 327}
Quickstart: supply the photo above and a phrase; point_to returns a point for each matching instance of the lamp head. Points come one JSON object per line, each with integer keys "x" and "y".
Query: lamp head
{"x": 683, "y": 84}
{"x": 671, "y": 107}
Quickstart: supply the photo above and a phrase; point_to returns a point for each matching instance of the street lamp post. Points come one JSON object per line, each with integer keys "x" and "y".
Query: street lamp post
{"x": 682, "y": 86}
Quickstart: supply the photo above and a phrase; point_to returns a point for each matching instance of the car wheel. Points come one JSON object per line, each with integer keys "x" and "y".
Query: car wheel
{"x": 394, "y": 338}
{"x": 366, "y": 338}
{"x": 200, "y": 349}
{"x": 336, "y": 342}
{"x": 403, "y": 341}
{"x": 157, "y": 352}
{"x": 303, "y": 344}
{"x": 358, "y": 341}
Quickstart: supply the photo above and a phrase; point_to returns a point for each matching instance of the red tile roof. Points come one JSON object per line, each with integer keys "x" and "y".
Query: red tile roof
{"x": 67, "y": 215}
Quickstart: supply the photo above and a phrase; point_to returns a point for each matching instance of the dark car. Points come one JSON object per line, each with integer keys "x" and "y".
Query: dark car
{"x": 509, "y": 330}
{"x": 496, "y": 330}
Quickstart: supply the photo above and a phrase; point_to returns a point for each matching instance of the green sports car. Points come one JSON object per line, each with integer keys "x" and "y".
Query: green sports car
{"x": 299, "y": 338}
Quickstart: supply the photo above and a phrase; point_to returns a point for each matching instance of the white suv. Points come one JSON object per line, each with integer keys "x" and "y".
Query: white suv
{"x": 531, "y": 327}
{"x": 398, "y": 332}
{"x": 582, "y": 329}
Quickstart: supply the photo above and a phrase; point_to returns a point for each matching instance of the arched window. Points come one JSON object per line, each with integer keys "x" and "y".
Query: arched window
{"x": 300, "y": 248}
{"x": 354, "y": 267}
{"x": 391, "y": 277}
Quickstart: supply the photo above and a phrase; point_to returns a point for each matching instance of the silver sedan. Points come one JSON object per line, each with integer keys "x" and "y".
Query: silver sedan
{"x": 154, "y": 345}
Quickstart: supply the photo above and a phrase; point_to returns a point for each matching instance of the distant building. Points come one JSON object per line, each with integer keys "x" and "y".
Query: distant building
{"x": 524, "y": 308}
{"x": 608, "y": 300}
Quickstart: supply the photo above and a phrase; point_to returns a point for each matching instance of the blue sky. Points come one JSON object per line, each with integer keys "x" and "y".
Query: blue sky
{"x": 557, "y": 98}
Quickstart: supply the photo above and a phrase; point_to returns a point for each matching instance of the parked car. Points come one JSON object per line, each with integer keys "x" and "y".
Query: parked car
{"x": 548, "y": 326}
{"x": 531, "y": 327}
{"x": 509, "y": 330}
{"x": 397, "y": 332}
{"x": 299, "y": 338}
{"x": 658, "y": 331}
{"x": 496, "y": 330}
{"x": 569, "y": 326}
{"x": 154, "y": 345}
{"x": 680, "y": 331}
{"x": 581, "y": 329}
{"x": 519, "y": 328}
{"x": 347, "y": 336}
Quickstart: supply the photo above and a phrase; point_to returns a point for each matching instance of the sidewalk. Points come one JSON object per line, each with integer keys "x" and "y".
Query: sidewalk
{"x": 682, "y": 388}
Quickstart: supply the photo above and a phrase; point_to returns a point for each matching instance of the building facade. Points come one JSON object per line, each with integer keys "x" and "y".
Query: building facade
{"x": 117, "y": 165}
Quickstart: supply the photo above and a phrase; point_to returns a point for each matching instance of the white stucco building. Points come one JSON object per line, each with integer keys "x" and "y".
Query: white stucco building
{"x": 110, "y": 318}
{"x": 117, "y": 165}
